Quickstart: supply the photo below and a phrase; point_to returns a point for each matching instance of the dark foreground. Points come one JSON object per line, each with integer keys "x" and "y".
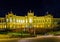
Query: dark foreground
{"x": 42, "y": 39}
{"x": 34, "y": 39}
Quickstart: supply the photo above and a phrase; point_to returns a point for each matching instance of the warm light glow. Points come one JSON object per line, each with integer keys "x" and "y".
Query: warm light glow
{"x": 22, "y": 21}
{"x": 26, "y": 21}
{"x": 10, "y": 19}
{"x": 41, "y": 26}
{"x": 30, "y": 20}
{"x": 5, "y": 26}
{"x": 48, "y": 25}
{"x": 14, "y": 20}
{"x": 7, "y": 20}
{"x": 17, "y": 21}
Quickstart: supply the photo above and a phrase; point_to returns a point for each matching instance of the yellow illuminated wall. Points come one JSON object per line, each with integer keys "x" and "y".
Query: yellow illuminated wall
{"x": 30, "y": 21}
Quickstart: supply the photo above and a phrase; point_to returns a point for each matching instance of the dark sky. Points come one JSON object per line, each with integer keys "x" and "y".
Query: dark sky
{"x": 21, "y": 7}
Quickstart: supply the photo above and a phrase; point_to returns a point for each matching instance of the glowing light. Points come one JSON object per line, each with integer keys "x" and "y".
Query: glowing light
{"x": 41, "y": 26}
{"x": 5, "y": 26}
{"x": 14, "y": 20}
{"x": 22, "y": 21}
{"x": 7, "y": 20}
{"x": 17, "y": 21}
{"x": 30, "y": 20}
{"x": 48, "y": 25}
{"x": 10, "y": 20}
{"x": 26, "y": 21}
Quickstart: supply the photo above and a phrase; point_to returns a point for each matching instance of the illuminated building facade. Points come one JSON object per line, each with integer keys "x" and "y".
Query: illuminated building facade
{"x": 30, "y": 21}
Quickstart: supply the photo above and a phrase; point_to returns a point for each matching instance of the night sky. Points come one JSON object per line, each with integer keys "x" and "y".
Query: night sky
{"x": 21, "y": 7}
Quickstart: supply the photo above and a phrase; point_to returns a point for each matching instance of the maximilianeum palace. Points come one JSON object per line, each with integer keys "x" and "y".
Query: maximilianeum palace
{"x": 12, "y": 21}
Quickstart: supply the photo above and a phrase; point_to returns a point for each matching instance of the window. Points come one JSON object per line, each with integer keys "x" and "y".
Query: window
{"x": 17, "y": 21}
{"x": 26, "y": 21}
{"x": 10, "y": 19}
{"x": 30, "y": 20}
{"x": 14, "y": 20}
{"x": 7, "y": 20}
{"x": 5, "y": 26}
{"x": 22, "y": 21}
